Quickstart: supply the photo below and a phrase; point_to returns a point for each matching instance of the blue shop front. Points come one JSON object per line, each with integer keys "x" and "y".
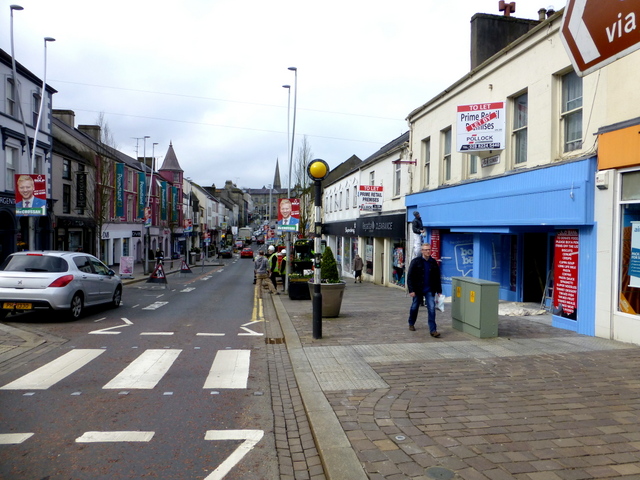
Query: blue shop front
{"x": 531, "y": 231}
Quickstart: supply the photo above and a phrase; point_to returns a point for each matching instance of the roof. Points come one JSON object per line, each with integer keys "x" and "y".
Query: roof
{"x": 171, "y": 161}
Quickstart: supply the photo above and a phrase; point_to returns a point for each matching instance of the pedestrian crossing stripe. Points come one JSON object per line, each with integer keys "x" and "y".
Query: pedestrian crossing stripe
{"x": 229, "y": 370}
{"x": 14, "y": 438}
{"x": 122, "y": 436}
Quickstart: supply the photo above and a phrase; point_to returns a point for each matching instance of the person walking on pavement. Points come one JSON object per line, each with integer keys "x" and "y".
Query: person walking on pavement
{"x": 261, "y": 270}
{"x": 282, "y": 266}
{"x": 423, "y": 281}
{"x": 418, "y": 231}
{"x": 357, "y": 267}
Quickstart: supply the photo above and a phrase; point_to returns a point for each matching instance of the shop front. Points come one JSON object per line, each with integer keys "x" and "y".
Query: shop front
{"x": 532, "y": 231}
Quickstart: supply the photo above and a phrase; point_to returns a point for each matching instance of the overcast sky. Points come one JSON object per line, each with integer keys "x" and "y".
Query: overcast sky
{"x": 207, "y": 75}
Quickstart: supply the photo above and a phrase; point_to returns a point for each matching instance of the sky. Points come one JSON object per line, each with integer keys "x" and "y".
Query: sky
{"x": 207, "y": 75}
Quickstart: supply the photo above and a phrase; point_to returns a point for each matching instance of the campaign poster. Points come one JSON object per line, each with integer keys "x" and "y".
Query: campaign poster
{"x": 288, "y": 215}
{"x": 31, "y": 195}
{"x": 565, "y": 272}
{"x": 481, "y": 127}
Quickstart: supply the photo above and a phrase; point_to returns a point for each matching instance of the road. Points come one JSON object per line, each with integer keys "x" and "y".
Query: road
{"x": 171, "y": 385}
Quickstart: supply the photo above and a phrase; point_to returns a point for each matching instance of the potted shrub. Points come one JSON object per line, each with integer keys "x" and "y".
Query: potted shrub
{"x": 331, "y": 286}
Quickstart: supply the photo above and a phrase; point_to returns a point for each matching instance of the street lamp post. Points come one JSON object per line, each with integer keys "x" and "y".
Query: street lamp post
{"x": 287, "y": 244}
{"x": 147, "y": 223}
{"x": 42, "y": 95}
{"x": 290, "y": 152}
{"x": 317, "y": 171}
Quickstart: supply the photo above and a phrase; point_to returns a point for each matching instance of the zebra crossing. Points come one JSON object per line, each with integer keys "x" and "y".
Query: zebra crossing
{"x": 229, "y": 370}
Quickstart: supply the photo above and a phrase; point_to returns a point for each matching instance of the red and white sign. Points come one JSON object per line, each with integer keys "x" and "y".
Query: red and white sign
{"x": 596, "y": 32}
{"x": 481, "y": 127}
{"x": 370, "y": 198}
{"x": 565, "y": 273}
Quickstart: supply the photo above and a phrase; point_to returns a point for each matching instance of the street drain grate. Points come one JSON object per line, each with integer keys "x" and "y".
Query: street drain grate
{"x": 273, "y": 341}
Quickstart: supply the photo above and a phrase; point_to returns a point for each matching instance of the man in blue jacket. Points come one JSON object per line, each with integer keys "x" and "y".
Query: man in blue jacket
{"x": 423, "y": 281}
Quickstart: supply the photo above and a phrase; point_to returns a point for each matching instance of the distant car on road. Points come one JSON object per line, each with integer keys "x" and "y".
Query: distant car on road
{"x": 225, "y": 253}
{"x": 246, "y": 253}
{"x": 65, "y": 282}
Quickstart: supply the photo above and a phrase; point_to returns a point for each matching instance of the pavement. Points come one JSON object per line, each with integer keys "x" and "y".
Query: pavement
{"x": 373, "y": 400}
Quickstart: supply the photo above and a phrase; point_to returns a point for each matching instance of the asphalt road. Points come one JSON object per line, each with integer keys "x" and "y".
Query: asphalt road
{"x": 171, "y": 385}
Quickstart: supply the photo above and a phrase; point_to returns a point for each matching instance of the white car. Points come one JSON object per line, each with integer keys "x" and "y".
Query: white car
{"x": 53, "y": 280}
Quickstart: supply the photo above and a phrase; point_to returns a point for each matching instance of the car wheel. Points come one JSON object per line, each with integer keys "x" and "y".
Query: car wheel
{"x": 117, "y": 297}
{"x": 3, "y": 313}
{"x": 77, "y": 306}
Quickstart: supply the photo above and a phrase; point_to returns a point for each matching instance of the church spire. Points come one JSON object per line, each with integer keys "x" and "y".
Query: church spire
{"x": 276, "y": 177}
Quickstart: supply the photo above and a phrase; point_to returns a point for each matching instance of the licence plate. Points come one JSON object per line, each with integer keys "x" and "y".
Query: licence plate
{"x": 17, "y": 306}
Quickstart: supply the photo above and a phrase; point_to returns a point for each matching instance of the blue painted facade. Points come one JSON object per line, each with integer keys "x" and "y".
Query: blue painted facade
{"x": 487, "y": 227}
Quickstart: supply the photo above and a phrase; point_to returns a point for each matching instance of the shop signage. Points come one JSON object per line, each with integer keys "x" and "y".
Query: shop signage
{"x": 136, "y": 234}
{"x": 494, "y": 160}
{"x": 596, "y": 33}
{"x": 481, "y": 127}
{"x": 370, "y": 198}
{"x": 565, "y": 272}
{"x": 81, "y": 189}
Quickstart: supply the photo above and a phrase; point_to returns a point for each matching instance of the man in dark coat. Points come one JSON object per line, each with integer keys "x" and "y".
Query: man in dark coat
{"x": 423, "y": 281}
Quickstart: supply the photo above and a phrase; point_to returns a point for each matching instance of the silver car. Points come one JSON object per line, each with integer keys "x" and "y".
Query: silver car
{"x": 59, "y": 281}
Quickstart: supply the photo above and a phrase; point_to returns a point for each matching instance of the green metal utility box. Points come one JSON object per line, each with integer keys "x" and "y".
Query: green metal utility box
{"x": 474, "y": 306}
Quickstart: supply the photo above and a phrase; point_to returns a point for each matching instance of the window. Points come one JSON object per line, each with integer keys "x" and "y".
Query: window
{"x": 397, "y": 177}
{"x": 39, "y": 165}
{"x": 346, "y": 200}
{"x": 473, "y": 165}
{"x": 372, "y": 178}
{"x": 572, "y": 111}
{"x": 355, "y": 198}
{"x": 446, "y": 157}
{"x": 12, "y": 163}
{"x": 628, "y": 292}
{"x": 35, "y": 107}
{"x": 66, "y": 198}
{"x": 12, "y": 108}
{"x": 340, "y": 202}
{"x": 426, "y": 154}
{"x": 520, "y": 121}
{"x": 66, "y": 169}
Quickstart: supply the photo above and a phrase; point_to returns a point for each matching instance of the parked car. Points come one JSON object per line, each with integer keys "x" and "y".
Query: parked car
{"x": 225, "y": 253}
{"x": 246, "y": 253}
{"x": 65, "y": 282}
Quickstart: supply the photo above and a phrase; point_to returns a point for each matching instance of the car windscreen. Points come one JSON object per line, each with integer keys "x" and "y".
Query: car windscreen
{"x": 34, "y": 263}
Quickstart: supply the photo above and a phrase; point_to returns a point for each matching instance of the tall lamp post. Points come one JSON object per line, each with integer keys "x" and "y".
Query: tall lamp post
{"x": 287, "y": 241}
{"x": 42, "y": 95}
{"x": 317, "y": 171}
{"x": 147, "y": 211}
{"x": 290, "y": 151}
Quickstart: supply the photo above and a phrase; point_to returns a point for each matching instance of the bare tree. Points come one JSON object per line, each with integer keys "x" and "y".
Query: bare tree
{"x": 303, "y": 185}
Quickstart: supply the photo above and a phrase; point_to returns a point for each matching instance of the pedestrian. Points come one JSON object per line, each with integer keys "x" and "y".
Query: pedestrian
{"x": 357, "y": 268}
{"x": 273, "y": 266}
{"x": 418, "y": 231}
{"x": 423, "y": 282}
{"x": 261, "y": 270}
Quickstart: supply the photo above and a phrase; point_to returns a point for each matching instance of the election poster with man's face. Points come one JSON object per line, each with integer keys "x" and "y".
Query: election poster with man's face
{"x": 31, "y": 195}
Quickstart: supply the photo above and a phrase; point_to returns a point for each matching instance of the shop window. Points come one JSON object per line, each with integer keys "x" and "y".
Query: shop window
{"x": 572, "y": 111}
{"x": 398, "y": 263}
{"x": 520, "y": 123}
{"x": 629, "y": 286}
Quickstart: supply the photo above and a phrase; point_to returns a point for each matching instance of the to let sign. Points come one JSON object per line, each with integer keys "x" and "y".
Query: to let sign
{"x": 598, "y": 32}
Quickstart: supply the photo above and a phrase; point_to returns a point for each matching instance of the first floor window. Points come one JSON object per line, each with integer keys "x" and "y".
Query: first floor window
{"x": 572, "y": 111}
{"x": 11, "y": 156}
{"x": 446, "y": 158}
{"x": 66, "y": 198}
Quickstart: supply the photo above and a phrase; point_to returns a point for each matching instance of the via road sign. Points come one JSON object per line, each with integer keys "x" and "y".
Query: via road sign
{"x": 598, "y": 32}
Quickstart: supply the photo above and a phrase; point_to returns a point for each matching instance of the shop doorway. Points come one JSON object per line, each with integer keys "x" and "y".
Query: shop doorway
{"x": 534, "y": 271}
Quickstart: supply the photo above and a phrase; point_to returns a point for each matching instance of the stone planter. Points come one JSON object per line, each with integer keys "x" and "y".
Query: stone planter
{"x": 332, "y": 294}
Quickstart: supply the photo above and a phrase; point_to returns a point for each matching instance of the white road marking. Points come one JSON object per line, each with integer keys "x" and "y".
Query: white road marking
{"x": 250, "y": 333}
{"x": 250, "y": 437}
{"x": 14, "y": 438}
{"x": 155, "y": 306}
{"x": 157, "y": 333}
{"x": 230, "y": 369}
{"x": 123, "y": 436}
{"x": 54, "y": 371}
{"x": 145, "y": 371}
{"x": 188, "y": 289}
{"x": 107, "y": 331}
{"x": 209, "y": 334}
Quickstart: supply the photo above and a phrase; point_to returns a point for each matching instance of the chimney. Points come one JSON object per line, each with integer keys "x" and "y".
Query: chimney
{"x": 93, "y": 131}
{"x": 492, "y": 33}
{"x": 542, "y": 14}
{"x": 68, "y": 117}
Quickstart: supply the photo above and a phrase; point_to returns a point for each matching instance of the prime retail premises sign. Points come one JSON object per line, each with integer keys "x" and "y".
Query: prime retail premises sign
{"x": 480, "y": 127}
{"x": 598, "y": 32}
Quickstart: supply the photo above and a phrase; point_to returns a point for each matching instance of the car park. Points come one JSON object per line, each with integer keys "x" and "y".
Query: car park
{"x": 64, "y": 282}
{"x": 246, "y": 253}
